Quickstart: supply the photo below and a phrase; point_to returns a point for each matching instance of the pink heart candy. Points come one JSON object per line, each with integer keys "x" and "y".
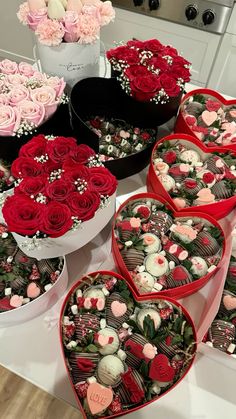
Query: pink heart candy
{"x": 118, "y": 309}
{"x": 103, "y": 340}
{"x": 16, "y": 301}
{"x": 98, "y": 398}
{"x": 191, "y": 120}
{"x": 33, "y": 290}
{"x": 209, "y": 117}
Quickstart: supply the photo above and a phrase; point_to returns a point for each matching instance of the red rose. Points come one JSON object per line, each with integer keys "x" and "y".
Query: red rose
{"x": 59, "y": 189}
{"x": 145, "y": 136}
{"x": 31, "y": 186}
{"x": 34, "y": 148}
{"x": 22, "y": 214}
{"x": 169, "y": 85}
{"x": 179, "y": 72}
{"x": 158, "y": 63}
{"x": 59, "y": 148}
{"x": 56, "y": 219}
{"x": 154, "y": 46}
{"x": 50, "y": 166}
{"x": 102, "y": 181}
{"x": 82, "y": 153}
{"x": 25, "y": 166}
{"x": 170, "y": 157}
{"x": 190, "y": 183}
{"x": 84, "y": 205}
{"x": 168, "y": 50}
{"x": 137, "y": 44}
{"x": 180, "y": 61}
{"x": 208, "y": 177}
{"x": 145, "y": 88}
{"x": 78, "y": 171}
{"x": 136, "y": 71}
{"x": 124, "y": 53}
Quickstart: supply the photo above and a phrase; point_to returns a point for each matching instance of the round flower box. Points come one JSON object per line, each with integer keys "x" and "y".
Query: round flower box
{"x": 162, "y": 251}
{"x": 30, "y": 102}
{"x": 104, "y": 97}
{"x": 94, "y": 340}
{"x": 208, "y": 196}
{"x": 63, "y": 197}
{"x": 27, "y": 287}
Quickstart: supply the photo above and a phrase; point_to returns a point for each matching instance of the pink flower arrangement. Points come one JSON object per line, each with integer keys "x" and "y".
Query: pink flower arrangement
{"x": 56, "y": 21}
{"x": 27, "y": 98}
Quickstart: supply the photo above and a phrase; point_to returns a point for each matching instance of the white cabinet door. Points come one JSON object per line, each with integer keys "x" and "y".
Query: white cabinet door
{"x": 15, "y": 39}
{"x": 223, "y": 76}
{"x": 197, "y": 46}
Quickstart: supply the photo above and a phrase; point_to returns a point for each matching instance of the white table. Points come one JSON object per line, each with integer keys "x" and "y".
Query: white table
{"x": 32, "y": 350}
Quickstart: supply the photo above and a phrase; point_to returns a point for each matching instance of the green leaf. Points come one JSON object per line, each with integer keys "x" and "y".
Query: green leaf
{"x": 161, "y": 336}
{"x": 177, "y": 326}
{"x": 176, "y": 340}
{"x": 92, "y": 348}
{"x": 188, "y": 335}
{"x": 199, "y": 98}
{"x": 148, "y": 327}
{"x": 144, "y": 369}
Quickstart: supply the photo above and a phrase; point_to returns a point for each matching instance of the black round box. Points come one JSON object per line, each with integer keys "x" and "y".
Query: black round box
{"x": 98, "y": 96}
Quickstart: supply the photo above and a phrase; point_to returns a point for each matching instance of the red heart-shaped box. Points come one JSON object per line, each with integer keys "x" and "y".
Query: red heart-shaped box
{"x": 181, "y": 125}
{"x": 88, "y": 281}
{"x": 218, "y": 209}
{"x": 177, "y": 292}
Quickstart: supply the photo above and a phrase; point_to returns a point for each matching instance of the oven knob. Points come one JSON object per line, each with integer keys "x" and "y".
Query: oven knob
{"x": 138, "y": 2}
{"x": 154, "y": 4}
{"x": 208, "y": 17}
{"x": 191, "y": 12}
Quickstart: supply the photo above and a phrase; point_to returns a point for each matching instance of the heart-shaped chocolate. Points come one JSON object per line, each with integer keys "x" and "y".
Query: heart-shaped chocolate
{"x": 184, "y": 253}
{"x": 206, "y": 183}
{"x": 229, "y": 302}
{"x": 208, "y": 116}
{"x": 108, "y": 383}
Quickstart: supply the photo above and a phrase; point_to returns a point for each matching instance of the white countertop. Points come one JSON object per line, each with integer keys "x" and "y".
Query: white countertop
{"x": 32, "y": 350}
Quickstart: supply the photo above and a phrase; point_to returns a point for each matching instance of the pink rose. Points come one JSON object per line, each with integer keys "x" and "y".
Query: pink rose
{"x": 45, "y": 96}
{"x": 57, "y": 84}
{"x": 89, "y": 29}
{"x": 26, "y": 69}
{"x": 17, "y": 94}
{"x": 71, "y": 23}
{"x": 9, "y": 120}
{"x": 4, "y": 99}
{"x": 34, "y": 18}
{"x": 107, "y": 13}
{"x": 31, "y": 112}
{"x": 8, "y": 67}
{"x": 15, "y": 79}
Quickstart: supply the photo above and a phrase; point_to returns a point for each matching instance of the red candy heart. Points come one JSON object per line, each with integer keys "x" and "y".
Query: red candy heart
{"x": 161, "y": 370}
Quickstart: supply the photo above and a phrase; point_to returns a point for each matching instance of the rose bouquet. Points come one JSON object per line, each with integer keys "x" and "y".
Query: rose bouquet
{"x": 57, "y": 21}
{"x": 61, "y": 186}
{"x": 27, "y": 98}
{"x": 149, "y": 71}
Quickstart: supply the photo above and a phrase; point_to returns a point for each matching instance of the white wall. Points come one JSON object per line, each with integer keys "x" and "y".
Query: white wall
{"x": 16, "y": 41}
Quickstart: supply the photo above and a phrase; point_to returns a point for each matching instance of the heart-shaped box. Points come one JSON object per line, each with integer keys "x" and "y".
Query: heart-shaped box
{"x": 187, "y": 125}
{"x": 217, "y": 209}
{"x": 97, "y": 96}
{"x": 179, "y": 254}
{"x": 133, "y": 355}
